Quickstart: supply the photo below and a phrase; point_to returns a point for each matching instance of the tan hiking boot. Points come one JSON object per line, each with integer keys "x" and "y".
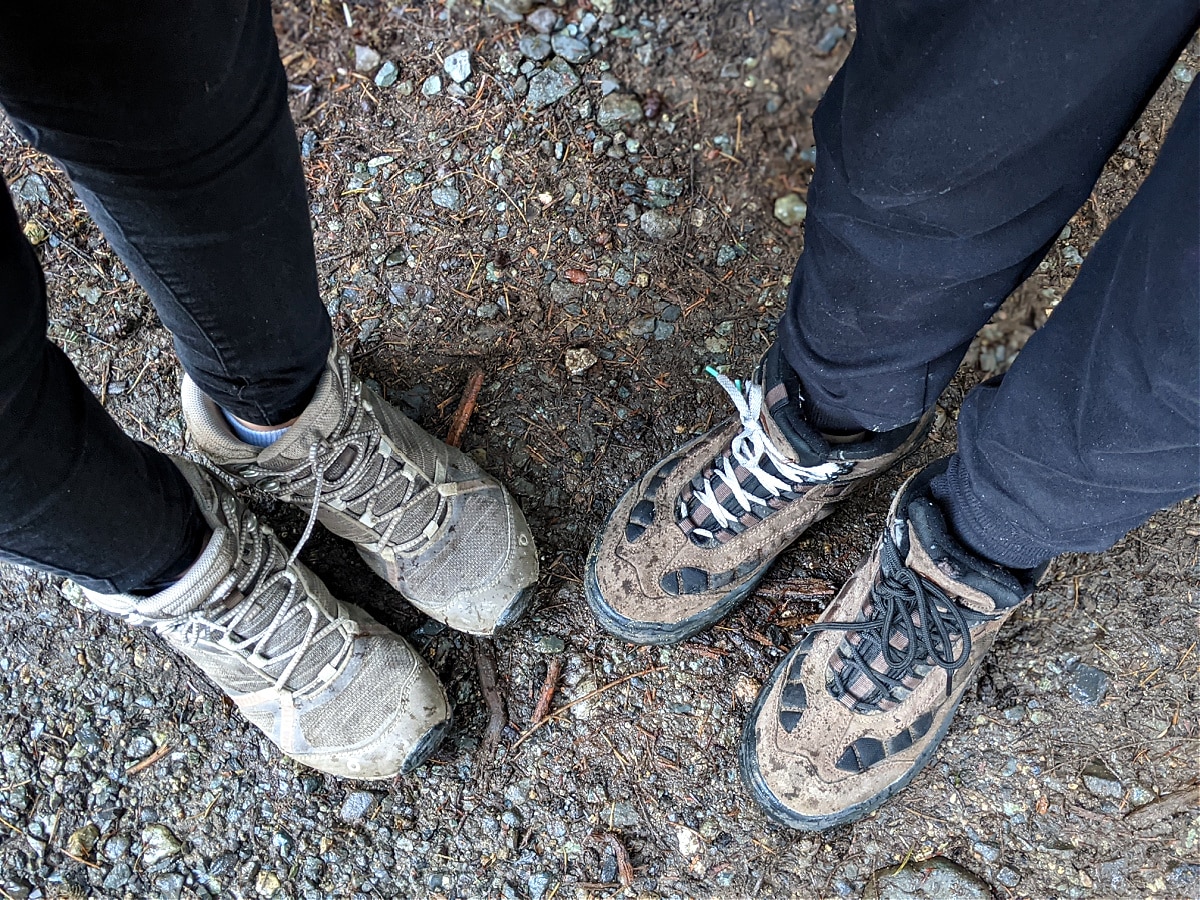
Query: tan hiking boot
{"x": 693, "y": 537}
{"x": 423, "y": 515}
{"x": 330, "y": 686}
{"x": 859, "y": 706}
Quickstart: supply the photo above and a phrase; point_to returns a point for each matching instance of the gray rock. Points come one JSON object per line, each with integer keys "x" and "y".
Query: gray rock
{"x": 116, "y": 847}
{"x": 936, "y": 878}
{"x": 1088, "y": 684}
{"x": 790, "y": 209}
{"x": 726, "y": 255}
{"x": 1183, "y": 74}
{"x": 1100, "y": 780}
{"x": 510, "y": 11}
{"x": 571, "y": 49}
{"x": 432, "y": 86}
{"x": 446, "y": 195}
{"x": 159, "y": 843}
{"x": 118, "y": 876}
{"x": 386, "y": 76}
{"x": 542, "y": 20}
{"x": 365, "y": 59}
{"x": 579, "y": 360}
{"x": 642, "y": 327}
{"x": 1008, "y": 877}
{"x": 617, "y": 110}
{"x": 32, "y": 189}
{"x": 535, "y": 47}
{"x": 549, "y": 644}
{"x": 663, "y": 330}
{"x": 139, "y": 745}
{"x": 168, "y": 886}
{"x": 1072, "y": 256}
{"x": 663, "y": 191}
{"x": 539, "y": 883}
{"x": 458, "y": 66}
{"x": 830, "y": 39}
{"x": 658, "y": 226}
{"x": 623, "y": 814}
{"x": 550, "y": 85}
{"x": 356, "y": 806}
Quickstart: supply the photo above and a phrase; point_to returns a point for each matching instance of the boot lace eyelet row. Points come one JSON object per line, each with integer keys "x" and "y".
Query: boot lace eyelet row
{"x": 750, "y": 449}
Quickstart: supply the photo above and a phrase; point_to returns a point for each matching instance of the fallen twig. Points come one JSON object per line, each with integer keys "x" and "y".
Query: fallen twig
{"x": 149, "y": 760}
{"x": 549, "y": 686}
{"x": 588, "y": 696}
{"x": 1164, "y": 807}
{"x": 624, "y": 866}
{"x": 485, "y": 663}
{"x": 466, "y": 406}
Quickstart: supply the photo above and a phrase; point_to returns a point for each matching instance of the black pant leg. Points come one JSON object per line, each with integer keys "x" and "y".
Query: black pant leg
{"x": 1097, "y": 424}
{"x": 78, "y": 497}
{"x": 952, "y": 146}
{"x": 172, "y": 121}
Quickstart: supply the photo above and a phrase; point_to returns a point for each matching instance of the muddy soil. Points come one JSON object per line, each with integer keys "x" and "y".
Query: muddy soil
{"x": 456, "y": 228}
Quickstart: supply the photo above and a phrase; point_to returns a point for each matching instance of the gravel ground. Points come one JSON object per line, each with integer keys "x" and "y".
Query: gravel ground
{"x": 590, "y": 203}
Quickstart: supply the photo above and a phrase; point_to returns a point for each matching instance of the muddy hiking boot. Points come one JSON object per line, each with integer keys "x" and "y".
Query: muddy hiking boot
{"x": 855, "y": 711}
{"x": 693, "y": 537}
{"x": 330, "y": 686}
{"x": 423, "y": 515}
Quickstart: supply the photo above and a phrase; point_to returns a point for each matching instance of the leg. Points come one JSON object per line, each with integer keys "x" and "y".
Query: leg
{"x": 77, "y": 496}
{"x": 174, "y": 127}
{"x": 1097, "y": 424}
{"x": 951, "y": 148}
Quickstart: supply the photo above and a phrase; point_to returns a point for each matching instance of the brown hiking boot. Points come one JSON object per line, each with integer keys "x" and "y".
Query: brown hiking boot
{"x": 422, "y": 514}
{"x": 858, "y": 707}
{"x": 330, "y": 686}
{"x": 693, "y": 537}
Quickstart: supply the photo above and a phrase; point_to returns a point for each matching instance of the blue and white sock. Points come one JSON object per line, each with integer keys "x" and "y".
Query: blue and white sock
{"x": 252, "y": 437}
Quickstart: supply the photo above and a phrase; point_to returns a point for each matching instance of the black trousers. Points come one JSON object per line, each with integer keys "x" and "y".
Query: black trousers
{"x": 173, "y": 125}
{"x": 952, "y": 147}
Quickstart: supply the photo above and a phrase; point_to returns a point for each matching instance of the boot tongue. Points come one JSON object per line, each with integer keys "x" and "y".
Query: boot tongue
{"x": 782, "y": 416}
{"x": 935, "y": 554}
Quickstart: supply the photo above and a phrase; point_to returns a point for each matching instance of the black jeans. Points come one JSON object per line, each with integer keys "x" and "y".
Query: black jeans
{"x": 952, "y": 147}
{"x": 173, "y": 125}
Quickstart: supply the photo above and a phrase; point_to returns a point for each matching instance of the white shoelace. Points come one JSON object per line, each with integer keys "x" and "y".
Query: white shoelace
{"x": 748, "y": 450}
{"x": 358, "y": 430}
{"x": 217, "y": 625}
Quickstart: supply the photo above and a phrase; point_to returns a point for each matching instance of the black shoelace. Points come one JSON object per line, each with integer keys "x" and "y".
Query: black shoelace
{"x": 899, "y": 596}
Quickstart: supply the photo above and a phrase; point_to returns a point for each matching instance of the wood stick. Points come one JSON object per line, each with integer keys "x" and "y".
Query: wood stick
{"x": 485, "y": 663}
{"x": 466, "y": 406}
{"x": 149, "y": 760}
{"x": 588, "y": 696}
{"x": 549, "y": 686}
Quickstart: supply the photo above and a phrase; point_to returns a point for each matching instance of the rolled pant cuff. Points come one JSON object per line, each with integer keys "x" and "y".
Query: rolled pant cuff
{"x": 978, "y": 528}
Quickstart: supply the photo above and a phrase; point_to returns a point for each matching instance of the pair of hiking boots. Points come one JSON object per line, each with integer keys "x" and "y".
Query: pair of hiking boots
{"x": 846, "y": 720}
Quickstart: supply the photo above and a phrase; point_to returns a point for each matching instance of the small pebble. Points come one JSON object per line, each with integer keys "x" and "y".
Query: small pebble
{"x": 458, "y": 66}
{"x": 365, "y": 59}
{"x": 386, "y": 76}
{"x": 356, "y": 806}
{"x": 790, "y": 209}
{"x": 657, "y": 225}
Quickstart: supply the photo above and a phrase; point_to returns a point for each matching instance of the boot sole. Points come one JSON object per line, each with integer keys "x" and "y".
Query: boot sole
{"x": 781, "y": 814}
{"x": 429, "y": 742}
